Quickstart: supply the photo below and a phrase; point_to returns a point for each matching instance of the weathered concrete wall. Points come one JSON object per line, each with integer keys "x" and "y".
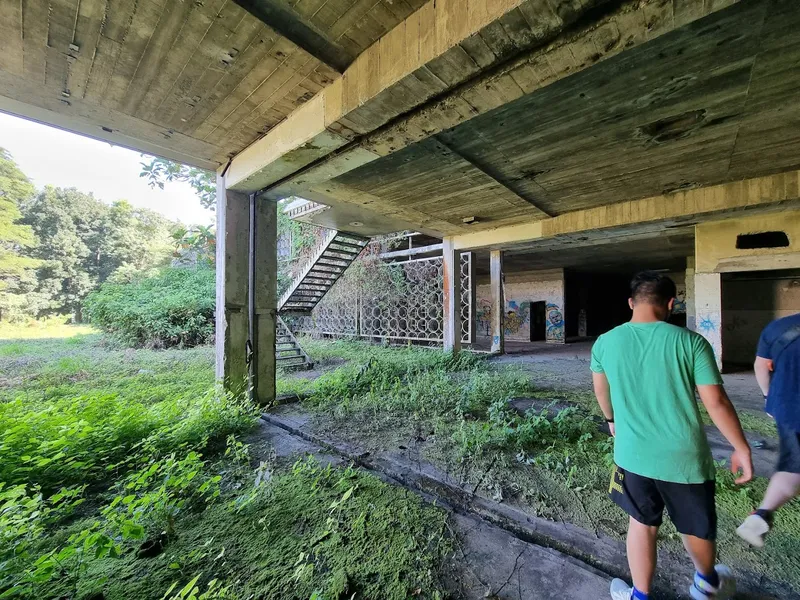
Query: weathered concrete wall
{"x": 716, "y": 250}
{"x": 691, "y": 311}
{"x": 708, "y": 301}
{"x": 748, "y": 305}
{"x": 521, "y": 290}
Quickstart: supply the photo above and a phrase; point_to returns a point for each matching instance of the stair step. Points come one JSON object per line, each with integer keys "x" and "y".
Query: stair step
{"x": 328, "y": 262}
{"x": 339, "y": 242}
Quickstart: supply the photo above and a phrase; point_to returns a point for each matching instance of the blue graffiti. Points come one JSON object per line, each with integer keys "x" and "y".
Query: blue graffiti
{"x": 706, "y": 325}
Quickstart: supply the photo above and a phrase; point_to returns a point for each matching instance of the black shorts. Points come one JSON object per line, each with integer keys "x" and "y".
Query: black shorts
{"x": 691, "y": 506}
{"x": 789, "y": 457}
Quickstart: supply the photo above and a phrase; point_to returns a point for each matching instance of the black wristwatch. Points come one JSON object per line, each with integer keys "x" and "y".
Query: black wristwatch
{"x": 609, "y": 420}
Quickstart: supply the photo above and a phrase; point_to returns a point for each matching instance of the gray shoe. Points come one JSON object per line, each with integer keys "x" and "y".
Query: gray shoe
{"x": 753, "y": 530}
{"x": 620, "y": 590}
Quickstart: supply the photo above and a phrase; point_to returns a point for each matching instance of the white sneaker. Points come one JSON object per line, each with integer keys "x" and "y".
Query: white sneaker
{"x": 701, "y": 590}
{"x": 753, "y": 530}
{"x": 620, "y": 590}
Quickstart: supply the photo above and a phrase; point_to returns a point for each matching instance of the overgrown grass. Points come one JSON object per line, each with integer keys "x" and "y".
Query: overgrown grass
{"x": 56, "y": 328}
{"x": 109, "y": 453}
{"x": 333, "y": 532}
{"x": 554, "y": 463}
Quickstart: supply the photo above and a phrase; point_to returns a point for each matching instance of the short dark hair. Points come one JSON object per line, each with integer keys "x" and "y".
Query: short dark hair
{"x": 652, "y": 288}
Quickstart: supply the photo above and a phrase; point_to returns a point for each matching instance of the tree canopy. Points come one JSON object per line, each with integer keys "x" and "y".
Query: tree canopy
{"x": 58, "y": 245}
{"x": 16, "y": 269}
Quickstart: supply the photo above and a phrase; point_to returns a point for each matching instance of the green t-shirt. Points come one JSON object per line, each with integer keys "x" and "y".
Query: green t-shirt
{"x": 652, "y": 369}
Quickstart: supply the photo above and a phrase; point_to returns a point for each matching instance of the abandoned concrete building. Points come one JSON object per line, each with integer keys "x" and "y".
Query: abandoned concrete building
{"x": 543, "y": 150}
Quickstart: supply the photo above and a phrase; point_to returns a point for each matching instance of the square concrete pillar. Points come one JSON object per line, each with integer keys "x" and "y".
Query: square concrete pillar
{"x": 691, "y": 311}
{"x": 708, "y": 303}
{"x": 498, "y": 301}
{"x": 451, "y": 285}
{"x": 232, "y": 314}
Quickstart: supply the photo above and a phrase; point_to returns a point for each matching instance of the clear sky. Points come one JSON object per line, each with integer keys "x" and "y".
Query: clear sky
{"x": 52, "y": 156}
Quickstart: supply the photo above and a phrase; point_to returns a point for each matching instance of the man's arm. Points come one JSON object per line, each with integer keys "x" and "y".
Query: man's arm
{"x": 603, "y": 393}
{"x": 724, "y": 416}
{"x": 763, "y": 369}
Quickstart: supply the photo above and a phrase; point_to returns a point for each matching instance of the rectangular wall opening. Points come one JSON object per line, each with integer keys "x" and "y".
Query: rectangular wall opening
{"x": 750, "y": 301}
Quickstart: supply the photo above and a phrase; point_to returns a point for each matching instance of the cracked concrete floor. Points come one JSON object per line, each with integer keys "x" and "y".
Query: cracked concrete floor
{"x": 491, "y": 563}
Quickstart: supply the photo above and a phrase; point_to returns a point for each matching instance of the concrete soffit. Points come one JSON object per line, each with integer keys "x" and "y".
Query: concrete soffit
{"x": 679, "y": 209}
{"x": 425, "y": 76}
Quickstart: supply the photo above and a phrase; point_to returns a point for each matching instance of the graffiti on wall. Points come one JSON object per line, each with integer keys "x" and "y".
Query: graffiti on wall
{"x": 517, "y": 316}
{"x": 555, "y": 323}
{"x": 483, "y": 316}
{"x": 709, "y": 326}
{"x": 680, "y": 301}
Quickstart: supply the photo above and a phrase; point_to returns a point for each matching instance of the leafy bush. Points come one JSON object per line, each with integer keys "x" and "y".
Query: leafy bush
{"x": 174, "y": 308}
{"x": 87, "y": 439}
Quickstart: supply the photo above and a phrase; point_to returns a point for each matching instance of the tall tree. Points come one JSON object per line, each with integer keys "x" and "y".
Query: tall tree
{"x": 84, "y": 242}
{"x": 16, "y": 269}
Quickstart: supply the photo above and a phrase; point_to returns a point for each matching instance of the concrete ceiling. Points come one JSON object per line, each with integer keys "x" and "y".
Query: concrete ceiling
{"x": 627, "y": 252}
{"x": 193, "y": 81}
{"x": 715, "y": 101}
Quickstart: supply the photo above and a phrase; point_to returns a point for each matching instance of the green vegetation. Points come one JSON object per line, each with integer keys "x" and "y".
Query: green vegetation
{"x": 173, "y": 308}
{"x": 552, "y": 459}
{"x": 125, "y": 473}
{"x": 57, "y": 245}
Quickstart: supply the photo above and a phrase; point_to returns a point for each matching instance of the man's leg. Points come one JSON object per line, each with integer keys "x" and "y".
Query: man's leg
{"x": 782, "y": 487}
{"x": 702, "y": 552}
{"x": 642, "y": 554}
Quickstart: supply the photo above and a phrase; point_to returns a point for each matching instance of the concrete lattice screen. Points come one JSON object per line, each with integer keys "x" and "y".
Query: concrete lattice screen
{"x": 410, "y": 309}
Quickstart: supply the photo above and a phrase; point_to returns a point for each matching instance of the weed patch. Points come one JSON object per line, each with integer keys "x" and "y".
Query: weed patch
{"x": 554, "y": 464}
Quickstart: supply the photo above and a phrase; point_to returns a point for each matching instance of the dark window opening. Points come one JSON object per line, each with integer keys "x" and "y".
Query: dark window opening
{"x": 768, "y": 239}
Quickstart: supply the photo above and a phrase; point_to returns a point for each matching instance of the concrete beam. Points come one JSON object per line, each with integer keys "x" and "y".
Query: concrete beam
{"x": 696, "y": 205}
{"x": 421, "y": 79}
{"x": 291, "y": 26}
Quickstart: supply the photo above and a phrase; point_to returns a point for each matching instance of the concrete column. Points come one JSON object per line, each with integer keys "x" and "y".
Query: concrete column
{"x": 498, "y": 301}
{"x": 691, "y": 311}
{"x": 266, "y": 290}
{"x": 451, "y": 272}
{"x": 473, "y": 297}
{"x": 233, "y": 229}
{"x": 708, "y": 303}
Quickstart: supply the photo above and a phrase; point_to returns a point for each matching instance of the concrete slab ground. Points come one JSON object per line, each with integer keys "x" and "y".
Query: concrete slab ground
{"x": 488, "y": 562}
{"x": 492, "y": 565}
{"x": 567, "y": 366}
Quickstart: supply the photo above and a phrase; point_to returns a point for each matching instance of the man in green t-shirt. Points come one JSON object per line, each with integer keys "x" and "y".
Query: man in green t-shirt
{"x": 645, "y": 373}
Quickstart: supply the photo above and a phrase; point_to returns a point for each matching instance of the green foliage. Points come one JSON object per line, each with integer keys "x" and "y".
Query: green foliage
{"x": 160, "y": 171}
{"x": 154, "y": 471}
{"x": 83, "y": 242}
{"x": 174, "y": 308}
{"x": 195, "y": 246}
{"x": 16, "y": 270}
{"x": 71, "y": 442}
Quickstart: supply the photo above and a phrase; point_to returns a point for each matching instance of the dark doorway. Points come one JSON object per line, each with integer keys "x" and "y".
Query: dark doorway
{"x": 538, "y": 318}
{"x": 750, "y": 301}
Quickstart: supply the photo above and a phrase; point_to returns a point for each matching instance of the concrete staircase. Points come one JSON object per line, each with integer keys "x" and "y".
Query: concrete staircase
{"x": 288, "y": 352}
{"x": 335, "y": 252}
